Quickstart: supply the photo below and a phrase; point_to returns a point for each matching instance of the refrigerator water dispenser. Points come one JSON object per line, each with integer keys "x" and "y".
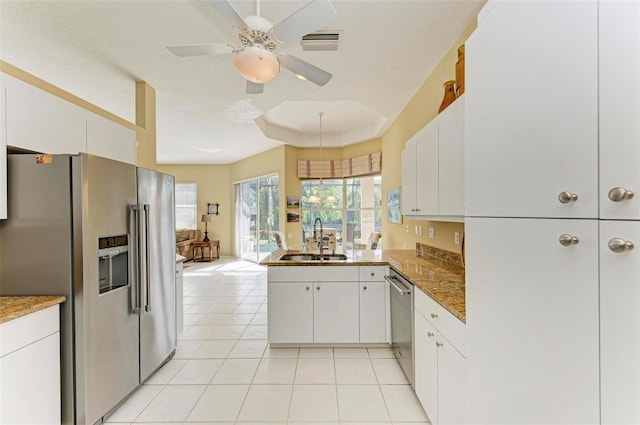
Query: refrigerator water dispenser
{"x": 113, "y": 258}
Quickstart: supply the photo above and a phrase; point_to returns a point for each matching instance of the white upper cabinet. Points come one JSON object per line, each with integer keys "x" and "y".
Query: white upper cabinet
{"x": 619, "y": 65}
{"x": 420, "y": 172}
{"x": 451, "y": 160}
{"x": 108, "y": 139}
{"x": 433, "y": 167}
{"x": 531, "y": 111}
{"x": 40, "y": 122}
{"x": 427, "y": 170}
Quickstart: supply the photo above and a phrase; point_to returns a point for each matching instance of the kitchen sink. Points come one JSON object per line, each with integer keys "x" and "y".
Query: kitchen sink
{"x": 313, "y": 257}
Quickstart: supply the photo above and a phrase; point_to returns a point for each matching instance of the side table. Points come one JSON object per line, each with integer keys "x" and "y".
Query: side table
{"x": 202, "y": 245}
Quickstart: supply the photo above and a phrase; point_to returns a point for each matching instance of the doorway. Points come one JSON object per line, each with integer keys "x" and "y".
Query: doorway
{"x": 257, "y": 215}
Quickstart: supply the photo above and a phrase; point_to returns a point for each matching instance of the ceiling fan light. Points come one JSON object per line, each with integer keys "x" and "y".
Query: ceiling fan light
{"x": 257, "y": 65}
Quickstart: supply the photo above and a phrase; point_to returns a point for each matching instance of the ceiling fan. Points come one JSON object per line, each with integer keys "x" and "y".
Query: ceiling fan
{"x": 254, "y": 57}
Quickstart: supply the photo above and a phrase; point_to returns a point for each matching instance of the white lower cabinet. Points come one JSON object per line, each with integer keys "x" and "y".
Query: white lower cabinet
{"x": 30, "y": 368}
{"x": 439, "y": 368}
{"x": 620, "y": 322}
{"x": 335, "y": 312}
{"x": 334, "y": 307}
{"x": 532, "y": 321}
{"x": 290, "y": 312}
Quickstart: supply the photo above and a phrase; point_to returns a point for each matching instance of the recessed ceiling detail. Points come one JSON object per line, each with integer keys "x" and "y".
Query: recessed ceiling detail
{"x": 344, "y": 123}
{"x": 322, "y": 40}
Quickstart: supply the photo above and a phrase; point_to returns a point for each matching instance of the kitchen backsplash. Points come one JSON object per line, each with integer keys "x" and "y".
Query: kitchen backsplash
{"x": 427, "y": 252}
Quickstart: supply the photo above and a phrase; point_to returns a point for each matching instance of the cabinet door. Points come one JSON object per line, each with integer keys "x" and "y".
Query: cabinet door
{"x": 427, "y": 170}
{"x": 619, "y": 65}
{"x": 108, "y": 139}
{"x": 290, "y": 314}
{"x": 335, "y": 312}
{"x": 3, "y": 152}
{"x": 373, "y": 312}
{"x": 620, "y": 323}
{"x": 532, "y": 321}
{"x": 30, "y": 382}
{"x": 451, "y": 160}
{"x": 452, "y": 381}
{"x": 179, "y": 298}
{"x": 408, "y": 160}
{"x": 531, "y": 110}
{"x": 41, "y": 122}
{"x": 426, "y": 365}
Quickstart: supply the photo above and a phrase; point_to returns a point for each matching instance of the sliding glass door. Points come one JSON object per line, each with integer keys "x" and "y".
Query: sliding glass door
{"x": 257, "y": 215}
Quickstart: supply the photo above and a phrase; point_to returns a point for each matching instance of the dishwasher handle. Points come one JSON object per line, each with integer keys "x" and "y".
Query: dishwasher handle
{"x": 395, "y": 282}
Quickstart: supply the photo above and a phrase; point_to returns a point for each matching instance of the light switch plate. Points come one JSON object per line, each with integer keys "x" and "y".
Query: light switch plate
{"x": 456, "y": 238}
{"x": 289, "y": 235}
{"x": 432, "y": 232}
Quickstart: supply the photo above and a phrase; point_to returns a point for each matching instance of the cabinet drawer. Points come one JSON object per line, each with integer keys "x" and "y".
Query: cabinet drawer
{"x": 372, "y": 273}
{"x": 446, "y": 323}
{"x": 24, "y": 330}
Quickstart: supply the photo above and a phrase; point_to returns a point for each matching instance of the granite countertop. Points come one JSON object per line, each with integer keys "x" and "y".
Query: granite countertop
{"x": 437, "y": 273}
{"x": 14, "y": 307}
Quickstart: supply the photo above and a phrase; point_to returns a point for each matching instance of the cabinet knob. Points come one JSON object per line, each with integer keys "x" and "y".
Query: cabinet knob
{"x": 317, "y": 288}
{"x": 620, "y": 245}
{"x": 567, "y": 240}
{"x": 619, "y": 194}
{"x": 566, "y": 197}
{"x": 430, "y": 334}
{"x": 307, "y": 288}
{"x": 439, "y": 344}
{"x": 372, "y": 274}
{"x": 434, "y": 316}
{"x": 364, "y": 288}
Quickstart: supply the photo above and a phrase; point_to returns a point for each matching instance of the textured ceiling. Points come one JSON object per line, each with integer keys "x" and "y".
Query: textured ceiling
{"x": 98, "y": 49}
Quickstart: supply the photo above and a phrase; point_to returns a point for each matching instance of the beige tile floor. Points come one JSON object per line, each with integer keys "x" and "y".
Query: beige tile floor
{"x": 224, "y": 373}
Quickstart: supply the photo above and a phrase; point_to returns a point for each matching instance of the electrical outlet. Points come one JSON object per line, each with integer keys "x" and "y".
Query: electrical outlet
{"x": 407, "y": 228}
{"x": 289, "y": 235}
{"x": 456, "y": 238}
{"x": 432, "y": 232}
{"x": 420, "y": 230}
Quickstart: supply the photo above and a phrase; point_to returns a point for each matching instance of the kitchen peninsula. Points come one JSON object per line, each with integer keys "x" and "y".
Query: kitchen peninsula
{"x": 354, "y": 300}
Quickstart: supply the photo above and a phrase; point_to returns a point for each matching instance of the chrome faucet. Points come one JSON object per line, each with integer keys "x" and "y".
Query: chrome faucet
{"x": 315, "y": 237}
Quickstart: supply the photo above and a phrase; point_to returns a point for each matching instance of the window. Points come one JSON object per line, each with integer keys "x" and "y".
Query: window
{"x": 186, "y": 205}
{"x": 355, "y": 210}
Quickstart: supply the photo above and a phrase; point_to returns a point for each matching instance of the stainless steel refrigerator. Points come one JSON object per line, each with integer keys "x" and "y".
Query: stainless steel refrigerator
{"x": 102, "y": 233}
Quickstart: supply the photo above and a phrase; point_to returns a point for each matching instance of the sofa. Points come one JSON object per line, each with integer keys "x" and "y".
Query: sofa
{"x": 184, "y": 242}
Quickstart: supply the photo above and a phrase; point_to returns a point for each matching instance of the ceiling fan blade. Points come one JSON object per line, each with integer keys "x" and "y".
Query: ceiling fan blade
{"x": 201, "y": 49}
{"x": 226, "y": 9}
{"x": 305, "y": 69}
{"x": 315, "y": 15}
{"x": 253, "y": 88}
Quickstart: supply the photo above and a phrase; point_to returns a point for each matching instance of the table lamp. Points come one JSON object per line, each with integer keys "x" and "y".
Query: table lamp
{"x": 206, "y": 218}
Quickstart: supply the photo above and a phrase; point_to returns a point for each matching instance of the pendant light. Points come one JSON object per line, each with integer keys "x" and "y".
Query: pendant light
{"x": 315, "y": 197}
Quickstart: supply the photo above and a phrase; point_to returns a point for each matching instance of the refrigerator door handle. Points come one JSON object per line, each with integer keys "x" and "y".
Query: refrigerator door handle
{"x": 137, "y": 289}
{"x": 147, "y": 262}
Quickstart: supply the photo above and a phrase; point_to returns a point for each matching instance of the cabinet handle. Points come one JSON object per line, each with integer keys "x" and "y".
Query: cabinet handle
{"x": 430, "y": 334}
{"x": 619, "y": 194}
{"x": 567, "y": 240}
{"x": 620, "y": 245}
{"x": 434, "y": 316}
{"x": 439, "y": 344}
{"x": 566, "y": 197}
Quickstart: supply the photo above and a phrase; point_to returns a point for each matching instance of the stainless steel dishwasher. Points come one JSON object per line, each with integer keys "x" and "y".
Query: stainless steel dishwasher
{"x": 402, "y": 321}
